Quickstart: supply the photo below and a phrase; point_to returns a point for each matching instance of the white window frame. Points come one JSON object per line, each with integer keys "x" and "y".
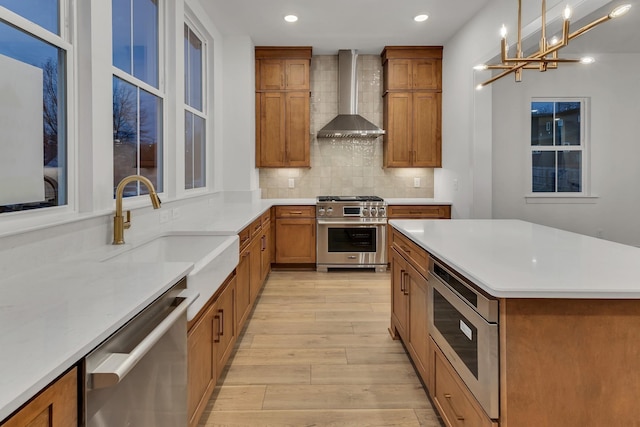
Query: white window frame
{"x": 197, "y": 29}
{"x": 67, "y": 18}
{"x": 583, "y": 196}
{"x": 160, "y": 92}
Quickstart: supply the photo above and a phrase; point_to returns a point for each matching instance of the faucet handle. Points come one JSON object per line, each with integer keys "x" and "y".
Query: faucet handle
{"x": 127, "y": 223}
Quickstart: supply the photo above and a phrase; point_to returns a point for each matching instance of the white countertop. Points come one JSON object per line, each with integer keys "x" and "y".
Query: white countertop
{"x": 416, "y": 201}
{"x": 517, "y": 259}
{"x": 52, "y": 317}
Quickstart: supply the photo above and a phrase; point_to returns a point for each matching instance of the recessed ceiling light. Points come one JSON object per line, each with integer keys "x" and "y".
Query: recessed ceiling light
{"x": 291, "y": 18}
{"x": 421, "y": 18}
{"x": 587, "y": 60}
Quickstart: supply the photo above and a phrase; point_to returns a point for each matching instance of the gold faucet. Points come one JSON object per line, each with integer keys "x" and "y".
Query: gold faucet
{"x": 119, "y": 224}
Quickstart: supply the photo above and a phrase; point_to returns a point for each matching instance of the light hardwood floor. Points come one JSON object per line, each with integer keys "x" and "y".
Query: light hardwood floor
{"x": 316, "y": 352}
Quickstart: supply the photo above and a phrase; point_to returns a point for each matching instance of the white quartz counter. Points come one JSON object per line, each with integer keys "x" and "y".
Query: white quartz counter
{"x": 52, "y": 317}
{"x": 416, "y": 201}
{"x": 517, "y": 259}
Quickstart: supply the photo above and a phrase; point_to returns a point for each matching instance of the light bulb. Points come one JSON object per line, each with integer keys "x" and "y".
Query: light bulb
{"x": 587, "y": 60}
{"x": 567, "y": 13}
{"x": 481, "y": 67}
{"x": 421, "y": 18}
{"x": 479, "y": 87}
{"x": 619, "y": 11}
{"x": 291, "y": 18}
{"x": 554, "y": 40}
{"x": 503, "y": 31}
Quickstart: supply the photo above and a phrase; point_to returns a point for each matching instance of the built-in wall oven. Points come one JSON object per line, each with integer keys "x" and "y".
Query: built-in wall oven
{"x": 351, "y": 232}
{"x": 464, "y": 323}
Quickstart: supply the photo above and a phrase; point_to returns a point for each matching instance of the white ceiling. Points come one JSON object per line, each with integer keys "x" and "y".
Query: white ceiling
{"x": 330, "y": 25}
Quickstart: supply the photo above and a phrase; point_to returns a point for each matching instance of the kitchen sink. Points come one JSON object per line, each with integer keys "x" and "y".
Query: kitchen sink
{"x": 214, "y": 257}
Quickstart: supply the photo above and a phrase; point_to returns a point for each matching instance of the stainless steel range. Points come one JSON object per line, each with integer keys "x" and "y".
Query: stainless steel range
{"x": 352, "y": 232}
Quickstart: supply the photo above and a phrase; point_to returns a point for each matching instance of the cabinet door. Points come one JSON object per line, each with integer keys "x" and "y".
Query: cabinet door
{"x": 295, "y": 240}
{"x": 297, "y": 74}
{"x": 418, "y": 320}
{"x": 201, "y": 366}
{"x": 297, "y": 129}
{"x": 272, "y": 149}
{"x": 224, "y": 321}
{"x": 255, "y": 265}
{"x": 427, "y": 74}
{"x": 399, "y": 305}
{"x": 272, "y": 74}
{"x": 398, "y": 151}
{"x": 243, "y": 288}
{"x": 427, "y": 143}
{"x": 399, "y": 74}
{"x": 56, "y": 406}
{"x": 265, "y": 252}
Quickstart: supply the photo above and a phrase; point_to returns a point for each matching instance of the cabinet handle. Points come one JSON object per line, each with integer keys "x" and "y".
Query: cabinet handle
{"x": 455, "y": 413}
{"x": 406, "y": 249}
{"x": 246, "y": 254}
{"x": 402, "y": 281}
{"x": 221, "y": 331}
{"x": 295, "y": 212}
{"x": 217, "y": 338}
{"x": 406, "y": 289}
{"x": 264, "y": 243}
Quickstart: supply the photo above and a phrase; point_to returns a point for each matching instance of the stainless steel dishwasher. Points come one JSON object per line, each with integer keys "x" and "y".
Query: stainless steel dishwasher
{"x": 138, "y": 376}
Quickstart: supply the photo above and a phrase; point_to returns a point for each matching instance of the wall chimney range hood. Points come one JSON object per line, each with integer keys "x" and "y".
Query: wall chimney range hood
{"x": 348, "y": 123}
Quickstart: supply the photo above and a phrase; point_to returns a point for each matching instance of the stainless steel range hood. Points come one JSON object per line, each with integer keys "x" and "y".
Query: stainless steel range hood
{"x": 348, "y": 124}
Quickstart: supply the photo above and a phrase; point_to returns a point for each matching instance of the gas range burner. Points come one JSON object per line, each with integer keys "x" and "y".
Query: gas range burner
{"x": 350, "y": 199}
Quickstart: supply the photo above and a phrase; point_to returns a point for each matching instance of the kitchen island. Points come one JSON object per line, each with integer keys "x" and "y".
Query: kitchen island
{"x": 569, "y": 320}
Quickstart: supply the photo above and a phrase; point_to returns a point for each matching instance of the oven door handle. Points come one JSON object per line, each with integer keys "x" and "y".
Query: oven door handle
{"x": 117, "y": 365}
{"x": 352, "y": 223}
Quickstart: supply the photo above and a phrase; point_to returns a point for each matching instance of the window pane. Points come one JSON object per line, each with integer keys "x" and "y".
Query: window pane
{"x": 121, "y": 34}
{"x": 199, "y": 150}
{"x": 195, "y": 72}
{"x": 567, "y": 121}
{"x": 188, "y": 150}
{"x": 542, "y": 123}
{"x": 23, "y": 47}
{"x": 145, "y": 41}
{"x": 186, "y": 64}
{"x": 570, "y": 171}
{"x": 42, "y": 12}
{"x": 544, "y": 171}
{"x": 151, "y": 139}
{"x": 135, "y": 38}
{"x": 125, "y": 134}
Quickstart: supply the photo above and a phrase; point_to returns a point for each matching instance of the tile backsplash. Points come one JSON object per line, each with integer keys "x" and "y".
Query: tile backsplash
{"x": 345, "y": 166}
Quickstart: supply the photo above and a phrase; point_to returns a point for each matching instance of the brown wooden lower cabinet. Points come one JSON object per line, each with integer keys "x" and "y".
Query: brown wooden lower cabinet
{"x": 451, "y": 397}
{"x": 55, "y": 406}
{"x": 243, "y": 287}
{"x": 295, "y": 235}
{"x": 210, "y": 339}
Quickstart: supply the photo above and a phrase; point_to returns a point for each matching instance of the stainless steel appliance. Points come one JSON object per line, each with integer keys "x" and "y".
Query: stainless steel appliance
{"x": 464, "y": 324}
{"x": 352, "y": 232}
{"x": 138, "y": 376}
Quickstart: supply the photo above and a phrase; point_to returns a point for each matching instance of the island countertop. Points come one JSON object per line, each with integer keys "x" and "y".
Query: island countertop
{"x": 518, "y": 259}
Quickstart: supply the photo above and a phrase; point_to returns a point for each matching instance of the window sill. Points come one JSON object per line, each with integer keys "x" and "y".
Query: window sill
{"x": 560, "y": 199}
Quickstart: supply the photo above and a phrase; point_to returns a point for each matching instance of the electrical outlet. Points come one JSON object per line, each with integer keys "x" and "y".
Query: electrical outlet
{"x": 164, "y": 216}
{"x": 175, "y": 213}
{"x": 455, "y": 184}
{"x": 416, "y": 182}
{"x": 292, "y": 183}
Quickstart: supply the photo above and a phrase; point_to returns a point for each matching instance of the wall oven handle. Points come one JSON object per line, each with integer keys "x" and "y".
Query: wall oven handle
{"x": 117, "y": 365}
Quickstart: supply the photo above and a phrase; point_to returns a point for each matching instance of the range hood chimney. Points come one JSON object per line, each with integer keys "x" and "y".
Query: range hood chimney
{"x": 348, "y": 124}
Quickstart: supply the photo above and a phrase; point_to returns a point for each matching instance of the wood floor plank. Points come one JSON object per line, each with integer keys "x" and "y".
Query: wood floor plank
{"x": 371, "y": 327}
{"x": 364, "y": 374}
{"x": 288, "y": 356}
{"x": 361, "y": 356}
{"x": 345, "y": 396}
{"x": 326, "y": 418}
{"x": 311, "y": 307}
{"x": 268, "y": 374}
{"x": 243, "y": 397}
{"x": 351, "y": 316}
{"x": 323, "y": 341}
{"x": 286, "y": 327}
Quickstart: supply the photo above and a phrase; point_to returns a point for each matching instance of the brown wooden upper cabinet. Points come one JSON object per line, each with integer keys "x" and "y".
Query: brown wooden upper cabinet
{"x": 412, "y": 106}
{"x": 282, "y": 106}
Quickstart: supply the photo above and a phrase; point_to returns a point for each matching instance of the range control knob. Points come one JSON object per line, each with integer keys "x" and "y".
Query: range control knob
{"x": 329, "y": 210}
{"x": 382, "y": 211}
{"x": 320, "y": 211}
{"x": 373, "y": 211}
{"x": 365, "y": 211}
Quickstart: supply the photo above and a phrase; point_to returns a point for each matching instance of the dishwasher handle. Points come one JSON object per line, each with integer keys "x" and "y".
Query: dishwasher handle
{"x": 117, "y": 365}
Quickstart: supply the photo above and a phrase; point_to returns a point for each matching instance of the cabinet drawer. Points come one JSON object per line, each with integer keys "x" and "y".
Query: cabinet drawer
{"x": 244, "y": 236}
{"x": 295, "y": 211}
{"x": 424, "y": 211}
{"x": 454, "y": 401}
{"x": 412, "y": 252}
{"x": 256, "y": 226}
{"x": 266, "y": 218}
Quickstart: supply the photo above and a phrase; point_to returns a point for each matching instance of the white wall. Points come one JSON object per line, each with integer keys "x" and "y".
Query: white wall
{"x": 238, "y": 116}
{"x": 613, "y": 86}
